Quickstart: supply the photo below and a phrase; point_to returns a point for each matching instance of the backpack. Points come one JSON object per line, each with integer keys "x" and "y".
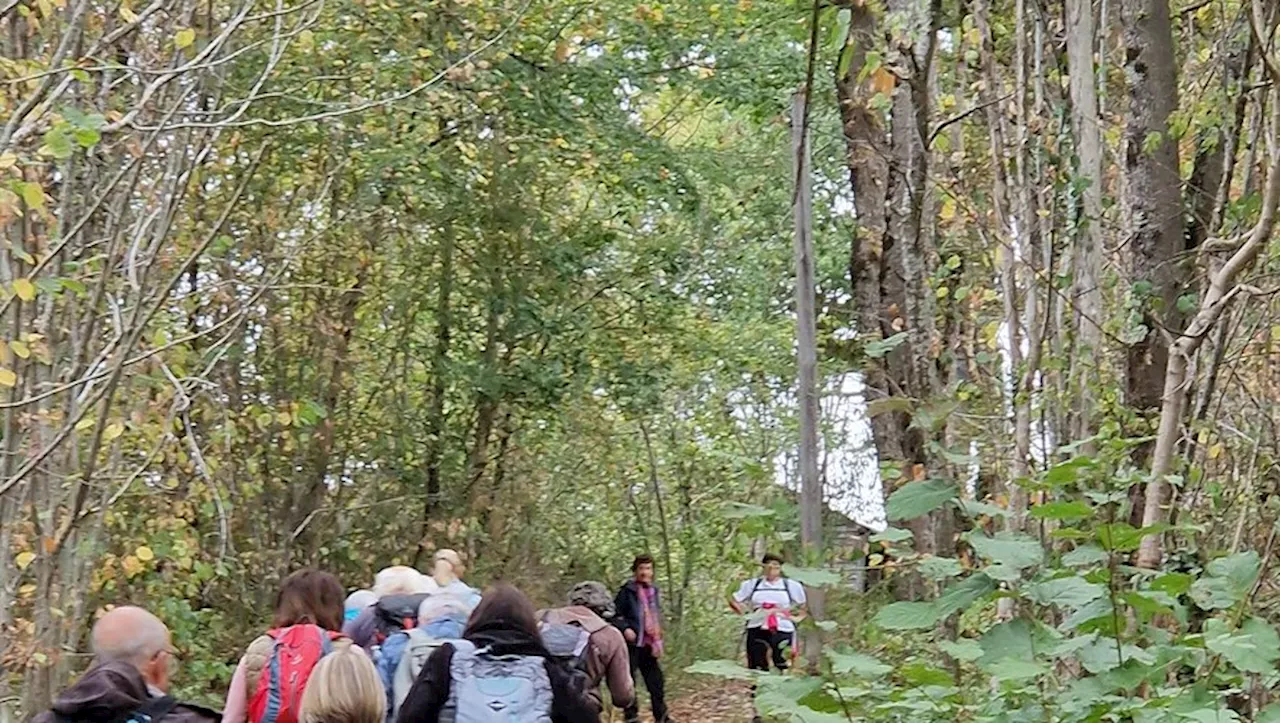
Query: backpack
{"x": 487, "y": 688}
{"x": 570, "y": 644}
{"x": 394, "y": 613}
{"x": 295, "y": 652}
{"x": 412, "y": 648}
{"x": 786, "y": 585}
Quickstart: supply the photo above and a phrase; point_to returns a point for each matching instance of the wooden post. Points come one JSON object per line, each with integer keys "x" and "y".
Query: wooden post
{"x": 806, "y": 337}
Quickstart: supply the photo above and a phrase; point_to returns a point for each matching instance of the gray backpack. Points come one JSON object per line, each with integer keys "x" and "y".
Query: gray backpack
{"x": 417, "y": 649}
{"x": 488, "y": 688}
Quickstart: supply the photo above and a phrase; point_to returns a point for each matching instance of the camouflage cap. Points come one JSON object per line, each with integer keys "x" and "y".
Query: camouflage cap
{"x": 594, "y": 595}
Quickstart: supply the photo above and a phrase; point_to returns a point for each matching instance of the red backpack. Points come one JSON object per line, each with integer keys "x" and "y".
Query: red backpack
{"x": 296, "y": 651}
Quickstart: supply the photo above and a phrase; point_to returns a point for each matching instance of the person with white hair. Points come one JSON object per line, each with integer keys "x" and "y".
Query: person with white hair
{"x": 398, "y": 591}
{"x": 133, "y": 663}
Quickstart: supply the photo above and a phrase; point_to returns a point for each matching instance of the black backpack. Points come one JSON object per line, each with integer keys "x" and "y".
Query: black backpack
{"x": 394, "y": 613}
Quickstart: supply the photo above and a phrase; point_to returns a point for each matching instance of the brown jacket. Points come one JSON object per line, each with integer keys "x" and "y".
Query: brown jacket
{"x": 109, "y": 692}
{"x": 608, "y": 659}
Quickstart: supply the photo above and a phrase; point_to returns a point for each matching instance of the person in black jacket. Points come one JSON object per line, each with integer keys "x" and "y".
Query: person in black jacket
{"x": 639, "y": 616}
{"x": 506, "y": 623}
{"x": 133, "y": 661}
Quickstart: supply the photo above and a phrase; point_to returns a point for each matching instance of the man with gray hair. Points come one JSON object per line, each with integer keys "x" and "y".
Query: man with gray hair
{"x": 129, "y": 681}
{"x": 607, "y": 659}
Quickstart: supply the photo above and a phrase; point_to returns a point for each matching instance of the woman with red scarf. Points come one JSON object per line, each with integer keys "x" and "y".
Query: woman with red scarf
{"x": 639, "y": 616}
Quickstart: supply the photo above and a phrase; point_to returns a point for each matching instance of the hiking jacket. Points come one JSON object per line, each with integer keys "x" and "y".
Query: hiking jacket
{"x": 109, "y": 692}
{"x": 607, "y": 658}
{"x": 430, "y": 691}
{"x": 630, "y": 610}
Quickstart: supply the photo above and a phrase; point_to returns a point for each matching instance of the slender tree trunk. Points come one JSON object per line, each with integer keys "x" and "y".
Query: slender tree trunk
{"x": 811, "y": 502}
{"x": 439, "y": 370}
{"x": 1222, "y": 288}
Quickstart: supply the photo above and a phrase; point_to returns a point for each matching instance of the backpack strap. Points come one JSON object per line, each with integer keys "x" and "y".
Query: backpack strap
{"x": 152, "y": 710}
{"x": 786, "y": 585}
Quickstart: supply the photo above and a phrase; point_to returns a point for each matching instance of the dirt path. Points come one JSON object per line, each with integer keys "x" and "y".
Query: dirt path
{"x": 722, "y": 702}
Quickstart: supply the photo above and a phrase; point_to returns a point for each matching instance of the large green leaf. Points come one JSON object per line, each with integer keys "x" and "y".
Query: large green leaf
{"x": 1009, "y": 640}
{"x": 814, "y": 577}
{"x": 1015, "y": 550}
{"x": 1084, "y": 556}
{"x": 1253, "y": 648}
{"x": 907, "y": 615}
{"x": 859, "y": 664}
{"x": 892, "y": 535}
{"x": 916, "y": 499}
{"x": 1066, "y": 592}
{"x": 1071, "y": 510}
{"x": 940, "y": 568}
{"x": 1240, "y": 569}
{"x": 964, "y": 649}
{"x": 963, "y": 593}
{"x": 729, "y": 669}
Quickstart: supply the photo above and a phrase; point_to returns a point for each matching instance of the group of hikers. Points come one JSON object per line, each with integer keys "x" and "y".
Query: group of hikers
{"x": 419, "y": 648}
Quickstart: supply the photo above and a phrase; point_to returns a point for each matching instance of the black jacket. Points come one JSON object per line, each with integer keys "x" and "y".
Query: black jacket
{"x": 111, "y": 691}
{"x": 430, "y": 691}
{"x": 630, "y": 615}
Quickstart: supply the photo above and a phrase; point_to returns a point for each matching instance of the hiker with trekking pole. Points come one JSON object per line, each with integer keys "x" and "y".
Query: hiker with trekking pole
{"x": 774, "y": 604}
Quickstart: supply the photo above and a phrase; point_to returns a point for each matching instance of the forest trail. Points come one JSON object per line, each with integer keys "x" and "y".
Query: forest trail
{"x": 709, "y": 701}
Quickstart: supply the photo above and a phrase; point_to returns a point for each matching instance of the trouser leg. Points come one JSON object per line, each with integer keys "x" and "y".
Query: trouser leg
{"x": 651, "y": 669}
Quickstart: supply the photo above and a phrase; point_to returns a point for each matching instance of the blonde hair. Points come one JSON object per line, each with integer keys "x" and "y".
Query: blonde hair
{"x": 344, "y": 688}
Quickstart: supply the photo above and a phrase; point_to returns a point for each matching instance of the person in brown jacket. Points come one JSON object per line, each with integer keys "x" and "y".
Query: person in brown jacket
{"x": 591, "y": 608}
{"x": 129, "y": 680}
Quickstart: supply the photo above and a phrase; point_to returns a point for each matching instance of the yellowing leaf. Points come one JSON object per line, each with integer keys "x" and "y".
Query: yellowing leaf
{"x": 184, "y": 38}
{"x": 1215, "y": 451}
{"x": 85, "y": 423}
{"x": 113, "y": 430}
{"x": 8, "y": 378}
{"x": 129, "y": 15}
{"x": 24, "y": 289}
{"x": 24, "y": 559}
{"x": 132, "y": 566}
{"x": 7, "y": 161}
{"x": 33, "y": 194}
{"x": 145, "y": 553}
{"x": 20, "y": 349}
{"x": 882, "y": 81}
{"x": 284, "y": 418}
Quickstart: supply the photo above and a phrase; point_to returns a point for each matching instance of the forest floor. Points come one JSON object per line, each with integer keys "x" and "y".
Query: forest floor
{"x": 709, "y": 702}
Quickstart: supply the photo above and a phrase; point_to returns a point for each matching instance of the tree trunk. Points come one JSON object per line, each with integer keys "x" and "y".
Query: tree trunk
{"x": 811, "y": 502}
{"x": 1153, "y": 195}
{"x": 1087, "y": 251}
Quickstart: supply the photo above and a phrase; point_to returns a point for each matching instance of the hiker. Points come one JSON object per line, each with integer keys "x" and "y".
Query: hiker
{"x": 441, "y": 619}
{"x": 133, "y": 663}
{"x": 639, "y": 617}
{"x": 344, "y": 688}
{"x": 399, "y": 590}
{"x": 605, "y": 657}
{"x": 499, "y": 671}
{"x": 446, "y": 572}
{"x": 276, "y": 666}
{"x": 774, "y": 602}
{"x": 356, "y": 603}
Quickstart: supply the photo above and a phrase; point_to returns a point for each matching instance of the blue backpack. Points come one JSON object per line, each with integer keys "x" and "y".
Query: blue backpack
{"x": 487, "y": 688}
